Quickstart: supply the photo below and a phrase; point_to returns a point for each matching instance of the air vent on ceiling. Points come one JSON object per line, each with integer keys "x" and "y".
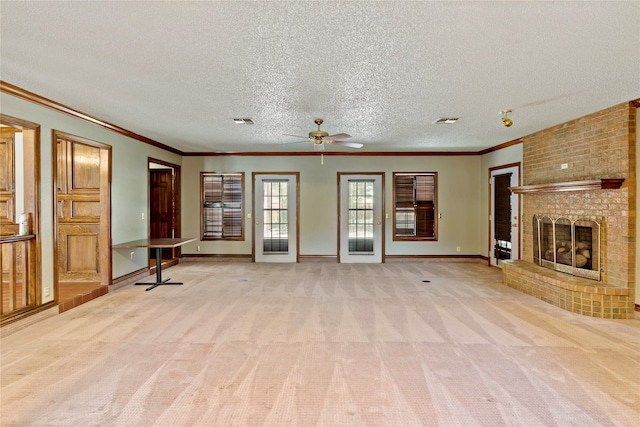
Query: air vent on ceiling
{"x": 243, "y": 121}
{"x": 446, "y": 121}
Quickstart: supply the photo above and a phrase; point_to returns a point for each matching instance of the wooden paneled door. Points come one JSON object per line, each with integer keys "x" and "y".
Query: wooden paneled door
{"x": 161, "y": 216}
{"x": 83, "y": 182}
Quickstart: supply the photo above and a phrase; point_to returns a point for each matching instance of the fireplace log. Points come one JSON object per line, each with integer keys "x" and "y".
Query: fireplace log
{"x": 581, "y": 261}
{"x": 548, "y": 254}
{"x": 564, "y": 258}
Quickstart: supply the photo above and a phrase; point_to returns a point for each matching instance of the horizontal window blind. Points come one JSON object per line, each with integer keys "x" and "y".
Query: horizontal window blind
{"x": 222, "y": 206}
{"x": 415, "y": 205}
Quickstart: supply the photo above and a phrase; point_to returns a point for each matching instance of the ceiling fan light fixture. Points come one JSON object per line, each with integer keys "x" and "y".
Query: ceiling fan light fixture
{"x": 319, "y": 137}
{"x": 318, "y": 134}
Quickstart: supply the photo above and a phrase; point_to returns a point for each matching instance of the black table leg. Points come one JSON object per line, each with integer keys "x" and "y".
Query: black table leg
{"x": 159, "y": 280}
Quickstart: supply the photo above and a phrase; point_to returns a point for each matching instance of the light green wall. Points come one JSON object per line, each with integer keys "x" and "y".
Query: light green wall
{"x": 459, "y": 199}
{"x": 129, "y": 181}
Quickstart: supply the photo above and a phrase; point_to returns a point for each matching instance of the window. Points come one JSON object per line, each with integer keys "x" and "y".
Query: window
{"x": 415, "y": 208}
{"x": 222, "y": 214}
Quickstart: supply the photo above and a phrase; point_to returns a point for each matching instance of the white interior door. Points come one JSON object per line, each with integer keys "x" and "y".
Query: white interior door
{"x": 502, "y": 245}
{"x": 361, "y": 223}
{"x": 276, "y": 217}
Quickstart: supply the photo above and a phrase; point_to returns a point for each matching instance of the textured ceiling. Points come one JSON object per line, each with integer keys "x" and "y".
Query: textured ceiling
{"x": 179, "y": 72}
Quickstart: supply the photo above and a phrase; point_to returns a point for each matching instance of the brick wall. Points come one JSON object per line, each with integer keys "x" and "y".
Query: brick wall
{"x": 600, "y": 145}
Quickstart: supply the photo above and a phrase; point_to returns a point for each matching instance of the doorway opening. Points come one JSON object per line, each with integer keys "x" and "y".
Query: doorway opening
{"x": 164, "y": 208}
{"x": 504, "y": 215}
{"x": 277, "y": 224}
{"x": 82, "y": 179}
{"x": 360, "y": 217}
{"x": 20, "y": 253}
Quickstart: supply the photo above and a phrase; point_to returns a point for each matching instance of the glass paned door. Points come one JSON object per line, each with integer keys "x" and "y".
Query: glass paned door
{"x": 361, "y": 217}
{"x": 275, "y": 222}
{"x": 361, "y": 222}
{"x": 276, "y": 218}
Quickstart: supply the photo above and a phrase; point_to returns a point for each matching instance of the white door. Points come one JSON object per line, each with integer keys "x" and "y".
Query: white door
{"x": 361, "y": 223}
{"x": 276, "y": 217}
{"x": 504, "y": 240}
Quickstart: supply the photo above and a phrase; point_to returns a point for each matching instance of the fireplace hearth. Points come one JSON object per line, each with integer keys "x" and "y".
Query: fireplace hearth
{"x": 566, "y": 245}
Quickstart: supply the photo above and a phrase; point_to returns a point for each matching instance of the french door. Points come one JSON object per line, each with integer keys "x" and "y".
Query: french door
{"x": 361, "y": 223}
{"x": 504, "y": 239}
{"x": 275, "y": 210}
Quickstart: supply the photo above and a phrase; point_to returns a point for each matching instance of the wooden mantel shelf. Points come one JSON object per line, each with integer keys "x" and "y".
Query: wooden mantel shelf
{"x": 589, "y": 184}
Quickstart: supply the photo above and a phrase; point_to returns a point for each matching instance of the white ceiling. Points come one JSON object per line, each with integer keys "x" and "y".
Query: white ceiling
{"x": 179, "y": 72}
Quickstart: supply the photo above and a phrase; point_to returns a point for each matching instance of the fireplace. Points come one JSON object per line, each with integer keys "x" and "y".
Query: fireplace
{"x": 569, "y": 246}
{"x": 580, "y": 177}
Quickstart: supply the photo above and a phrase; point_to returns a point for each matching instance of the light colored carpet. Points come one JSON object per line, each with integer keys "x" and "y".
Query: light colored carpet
{"x": 322, "y": 344}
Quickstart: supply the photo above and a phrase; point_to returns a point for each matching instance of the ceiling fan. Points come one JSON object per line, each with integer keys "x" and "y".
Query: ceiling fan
{"x": 319, "y": 137}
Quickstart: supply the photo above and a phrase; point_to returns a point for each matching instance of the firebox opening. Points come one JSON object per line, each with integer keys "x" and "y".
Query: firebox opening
{"x": 570, "y": 246}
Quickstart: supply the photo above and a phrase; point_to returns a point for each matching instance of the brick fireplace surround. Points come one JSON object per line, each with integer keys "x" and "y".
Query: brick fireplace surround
{"x": 601, "y": 145}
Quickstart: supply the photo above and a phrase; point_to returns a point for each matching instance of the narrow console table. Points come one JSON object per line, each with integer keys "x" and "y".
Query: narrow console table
{"x": 158, "y": 244}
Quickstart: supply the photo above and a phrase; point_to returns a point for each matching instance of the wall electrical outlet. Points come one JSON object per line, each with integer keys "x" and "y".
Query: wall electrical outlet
{"x": 564, "y": 166}
{"x": 47, "y": 292}
{"x": 198, "y": 248}
{"x": 457, "y": 248}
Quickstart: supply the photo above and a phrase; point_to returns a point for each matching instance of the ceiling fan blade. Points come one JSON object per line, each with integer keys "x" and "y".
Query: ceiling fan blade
{"x": 296, "y": 136}
{"x": 338, "y": 136}
{"x": 346, "y": 144}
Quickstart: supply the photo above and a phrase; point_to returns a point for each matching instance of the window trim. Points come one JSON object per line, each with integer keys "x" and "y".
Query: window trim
{"x": 203, "y": 237}
{"x": 400, "y": 238}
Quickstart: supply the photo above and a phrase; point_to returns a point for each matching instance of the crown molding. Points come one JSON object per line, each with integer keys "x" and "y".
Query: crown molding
{"x": 45, "y": 102}
{"x": 18, "y": 92}
{"x": 500, "y": 146}
{"x": 331, "y": 153}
